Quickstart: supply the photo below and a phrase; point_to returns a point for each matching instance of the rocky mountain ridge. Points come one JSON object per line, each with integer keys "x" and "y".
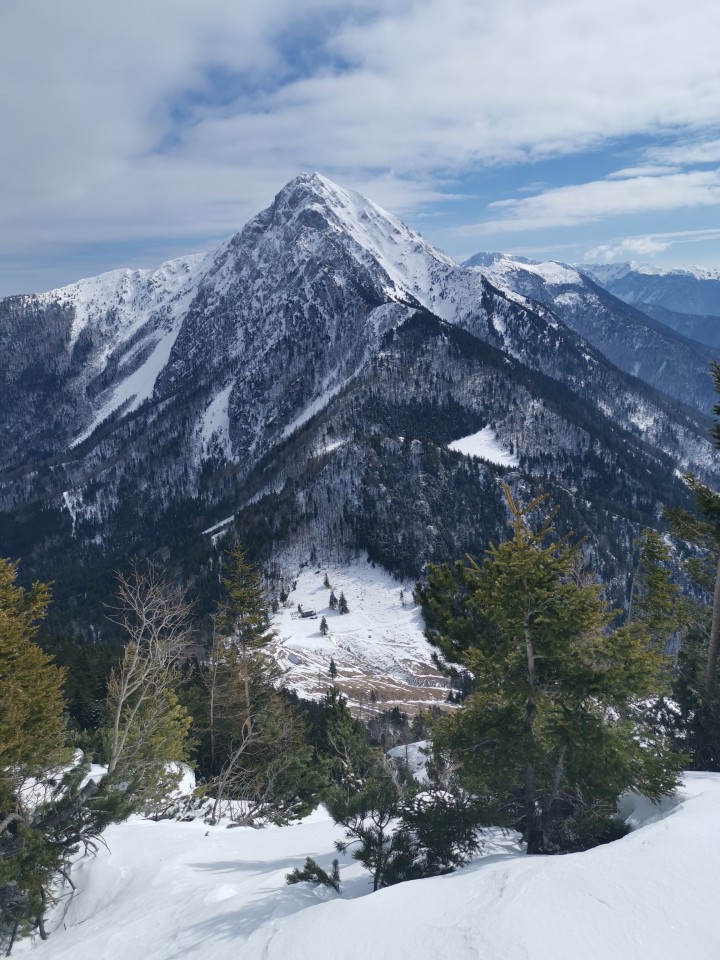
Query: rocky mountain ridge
{"x": 692, "y": 290}
{"x": 639, "y": 344}
{"x": 302, "y": 383}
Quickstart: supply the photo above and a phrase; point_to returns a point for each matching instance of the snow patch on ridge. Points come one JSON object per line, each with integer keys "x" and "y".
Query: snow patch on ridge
{"x": 124, "y": 300}
{"x": 485, "y": 444}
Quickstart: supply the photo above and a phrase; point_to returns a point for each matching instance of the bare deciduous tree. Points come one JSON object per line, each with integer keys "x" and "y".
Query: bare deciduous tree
{"x": 147, "y": 727}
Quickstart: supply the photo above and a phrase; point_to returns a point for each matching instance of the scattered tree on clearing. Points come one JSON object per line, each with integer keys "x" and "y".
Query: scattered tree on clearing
{"x": 332, "y": 669}
{"x": 342, "y": 604}
{"x": 333, "y": 602}
{"x": 326, "y": 582}
{"x": 324, "y": 627}
{"x": 547, "y": 739}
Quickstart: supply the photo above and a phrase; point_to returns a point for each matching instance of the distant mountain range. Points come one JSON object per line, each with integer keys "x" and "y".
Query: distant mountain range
{"x": 303, "y": 383}
{"x": 686, "y": 300}
{"x": 635, "y": 341}
{"x": 689, "y": 290}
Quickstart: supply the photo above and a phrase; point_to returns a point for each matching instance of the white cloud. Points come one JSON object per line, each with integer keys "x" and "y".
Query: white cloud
{"x": 626, "y": 249}
{"x": 384, "y": 95}
{"x": 687, "y": 152}
{"x": 645, "y": 170}
{"x": 600, "y": 199}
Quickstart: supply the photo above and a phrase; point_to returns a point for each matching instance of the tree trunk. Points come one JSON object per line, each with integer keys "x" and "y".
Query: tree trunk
{"x": 533, "y": 833}
{"x": 713, "y": 646}
{"x": 547, "y": 814}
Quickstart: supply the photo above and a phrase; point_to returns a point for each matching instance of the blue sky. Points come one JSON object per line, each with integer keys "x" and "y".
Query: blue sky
{"x": 563, "y": 129}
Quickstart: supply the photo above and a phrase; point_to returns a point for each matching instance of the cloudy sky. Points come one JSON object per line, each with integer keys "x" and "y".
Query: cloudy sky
{"x": 139, "y": 130}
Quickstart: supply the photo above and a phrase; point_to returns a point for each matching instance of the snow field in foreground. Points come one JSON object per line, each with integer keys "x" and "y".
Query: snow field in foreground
{"x": 171, "y": 890}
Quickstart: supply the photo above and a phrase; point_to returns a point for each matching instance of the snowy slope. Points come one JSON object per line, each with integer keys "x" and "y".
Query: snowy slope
{"x": 120, "y": 302}
{"x": 485, "y": 444}
{"x": 127, "y": 314}
{"x": 378, "y": 646}
{"x": 167, "y": 890}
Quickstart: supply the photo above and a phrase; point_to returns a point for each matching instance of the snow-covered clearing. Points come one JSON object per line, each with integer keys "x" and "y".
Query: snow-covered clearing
{"x": 379, "y": 645}
{"x": 168, "y": 890}
{"x": 485, "y": 445}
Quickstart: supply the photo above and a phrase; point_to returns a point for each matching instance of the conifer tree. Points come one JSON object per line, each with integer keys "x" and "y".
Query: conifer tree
{"x": 32, "y": 744}
{"x": 31, "y": 700}
{"x": 261, "y": 755}
{"x": 697, "y": 686}
{"x": 333, "y": 602}
{"x": 655, "y": 599}
{"x": 547, "y": 737}
{"x": 40, "y": 828}
{"x": 343, "y": 604}
{"x": 324, "y": 626}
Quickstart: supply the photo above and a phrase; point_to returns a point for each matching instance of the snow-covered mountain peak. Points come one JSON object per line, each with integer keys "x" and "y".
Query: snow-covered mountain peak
{"x": 314, "y": 202}
{"x": 684, "y": 290}
{"x": 607, "y": 272}
{"x": 498, "y": 267}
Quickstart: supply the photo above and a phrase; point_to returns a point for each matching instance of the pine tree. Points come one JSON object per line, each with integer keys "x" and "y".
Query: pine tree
{"x": 547, "y": 738}
{"x": 367, "y": 814}
{"x": 312, "y": 872}
{"x": 32, "y": 744}
{"x": 261, "y": 755}
{"x": 697, "y": 686}
{"x": 40, "y": 828}
{"x": 333, "y": 602}
{"x": 332, "y": 669}
{"x": 655, "y": 600}
{"x": 31, "y": 700}
{"x": 342, "y": 604}
{"x": 324, "y": 627}
{"x": 401, "y": 832}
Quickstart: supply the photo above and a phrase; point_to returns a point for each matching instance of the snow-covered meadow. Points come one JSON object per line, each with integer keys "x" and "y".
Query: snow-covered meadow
{"x": 378, "y": 646}
{"x": 168, "y": 890}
